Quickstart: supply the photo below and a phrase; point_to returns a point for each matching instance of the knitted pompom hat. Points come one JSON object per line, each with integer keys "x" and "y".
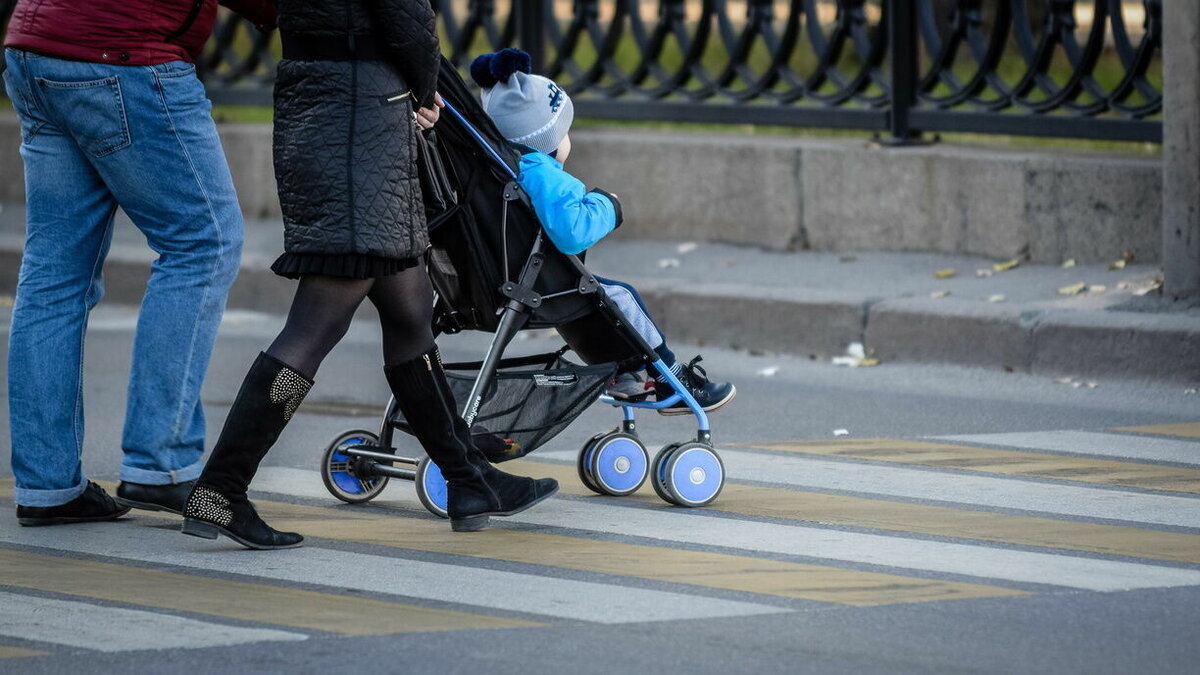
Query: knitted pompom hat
{"x": 528, "y": 109}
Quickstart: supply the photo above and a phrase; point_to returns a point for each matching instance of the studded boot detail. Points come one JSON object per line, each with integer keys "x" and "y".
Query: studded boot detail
{"x": 270, "y": 395}
{"x": 475, "y": 488}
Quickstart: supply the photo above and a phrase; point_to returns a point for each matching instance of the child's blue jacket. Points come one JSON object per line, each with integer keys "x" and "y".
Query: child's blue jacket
{"x": 573, "y": 218}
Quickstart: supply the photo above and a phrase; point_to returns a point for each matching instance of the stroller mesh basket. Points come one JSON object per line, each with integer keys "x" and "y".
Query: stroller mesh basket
{"x": 529, "y": 402}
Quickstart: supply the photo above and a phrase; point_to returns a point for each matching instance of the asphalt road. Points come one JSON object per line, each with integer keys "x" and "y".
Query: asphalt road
{"x": 966, "y": 521}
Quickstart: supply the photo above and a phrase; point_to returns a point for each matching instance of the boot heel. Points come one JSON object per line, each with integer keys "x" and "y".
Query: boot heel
{"x": 469, "y": 524}
{"x": 199, "y": 528}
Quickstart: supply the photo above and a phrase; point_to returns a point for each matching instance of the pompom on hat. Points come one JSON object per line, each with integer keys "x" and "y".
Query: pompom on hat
{"x": 528, "y": 109}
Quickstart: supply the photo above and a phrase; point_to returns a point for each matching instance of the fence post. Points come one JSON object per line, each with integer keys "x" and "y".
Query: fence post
{"x": 532, "y": 31}
{"x": 1181, "y": 149}
{"x": 903, "y": 45}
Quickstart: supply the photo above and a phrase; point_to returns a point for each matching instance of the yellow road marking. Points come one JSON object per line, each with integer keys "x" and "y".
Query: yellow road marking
{"x": 712, "y": 570}
{"x": 1006, "y": 462}
{"x": 942, "y": 521}
{"x": 17, "y": 652}
{"x": 233, "y": 599}
{"x": 1190, "y": 430}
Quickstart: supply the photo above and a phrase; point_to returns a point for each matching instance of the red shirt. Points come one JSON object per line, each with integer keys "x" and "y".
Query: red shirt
{"x": 124, "y": 32}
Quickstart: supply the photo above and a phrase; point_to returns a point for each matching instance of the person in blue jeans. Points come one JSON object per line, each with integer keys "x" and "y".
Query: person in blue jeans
{"x": 535, "y": 114}
{"x": 104, "y": 127}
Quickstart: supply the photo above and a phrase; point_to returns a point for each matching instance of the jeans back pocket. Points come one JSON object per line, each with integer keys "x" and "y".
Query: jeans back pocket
{"x": 93, "y": 112}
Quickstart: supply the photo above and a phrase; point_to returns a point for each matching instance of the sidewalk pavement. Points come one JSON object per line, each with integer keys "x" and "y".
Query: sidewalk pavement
{"x": 817, "y": 304}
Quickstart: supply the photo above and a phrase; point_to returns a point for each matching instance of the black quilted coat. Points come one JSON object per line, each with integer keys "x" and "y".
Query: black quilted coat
{"x": 345, "y": 140}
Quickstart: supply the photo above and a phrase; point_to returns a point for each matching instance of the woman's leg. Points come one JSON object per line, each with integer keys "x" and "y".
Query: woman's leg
{"x": 274, "y": 387}
{"x": 476, "y": 490}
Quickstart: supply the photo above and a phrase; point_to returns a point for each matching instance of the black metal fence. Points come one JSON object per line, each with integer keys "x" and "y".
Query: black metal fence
{"x": 1064, "y": 68}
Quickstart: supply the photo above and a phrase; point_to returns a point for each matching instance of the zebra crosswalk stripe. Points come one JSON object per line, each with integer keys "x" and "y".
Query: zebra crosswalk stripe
{"x": 397, "y": 577}
{"x": 1091, "y": 443}
{"x": 116, "y": 629}
{"x": 673, "y": 527}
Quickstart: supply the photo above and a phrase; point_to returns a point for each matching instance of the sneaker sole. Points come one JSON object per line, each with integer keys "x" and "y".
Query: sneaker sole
{"x": 67, "y": 520}
{"x": 207, "y": 530}
{"x": 479, "y": 521}
{"x": 671, "y": 412}
{"x": 146, "y": 506}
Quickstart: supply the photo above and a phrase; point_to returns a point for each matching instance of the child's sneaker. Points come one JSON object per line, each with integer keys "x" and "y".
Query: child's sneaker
{"x": 710, "y": 395}
{"x": 631, "y": 387}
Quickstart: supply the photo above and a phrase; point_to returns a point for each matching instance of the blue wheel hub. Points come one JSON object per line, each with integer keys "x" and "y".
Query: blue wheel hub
{"x": 339, "y": 469}
{"x": 435, "y": 486}
{"x": 696, "y": 475}
{"x": 619, "y": 465}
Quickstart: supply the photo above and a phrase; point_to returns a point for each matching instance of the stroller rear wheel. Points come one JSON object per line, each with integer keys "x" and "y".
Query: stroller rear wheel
{"x": 431, "y": 488}
{"x": 658, "y": 471}
{"x": 340, "y": 471}
{"x": 581, "y": 463}
{"x": 616, "y": 464}
{"x": 689, "y": 474}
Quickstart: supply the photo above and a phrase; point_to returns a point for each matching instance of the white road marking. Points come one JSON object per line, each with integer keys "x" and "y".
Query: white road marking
{"x": 1092, "y": 443}
{"x": 116, "y": 629}
{"x": 510, "y": 591}
{"x": 693, "y": 527}
{"x": 954, "y": 487}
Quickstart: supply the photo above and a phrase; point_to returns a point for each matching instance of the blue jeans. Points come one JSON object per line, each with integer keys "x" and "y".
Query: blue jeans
{"x": 95, "y": 137}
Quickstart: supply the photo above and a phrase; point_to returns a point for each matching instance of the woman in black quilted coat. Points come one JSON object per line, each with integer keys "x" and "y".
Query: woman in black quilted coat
{"x": 356, "y": 80}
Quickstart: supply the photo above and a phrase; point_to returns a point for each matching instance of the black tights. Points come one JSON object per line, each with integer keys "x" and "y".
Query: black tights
{"x": 324, "y": 306}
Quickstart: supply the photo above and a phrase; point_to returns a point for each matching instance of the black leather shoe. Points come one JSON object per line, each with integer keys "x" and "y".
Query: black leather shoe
{"x": 92, "y": 505}
{"x": 155, "y": 497}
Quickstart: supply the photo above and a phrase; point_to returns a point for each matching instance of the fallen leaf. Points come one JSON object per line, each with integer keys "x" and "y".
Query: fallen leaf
{"x": 939, "y": 294}
{"x": 996, "y": 298}
{"x": 1073, "y": 289}
{"x": 1125, "y": 285}
{"x": 1096, "y": 290}
{"x": 668, "y": 262}
{"x": 944, "y": 274}
{"x": 868, "y": 363}
{"x": 1064, "y": 380}
{"x": 769, "y": 371}
{"x": 983, "y": 272}
{"x": 1007, "y": 265}
{"x": 1154, "y": 286}
{"x": 687, "y": 247}
{"x": 1068, "y": 263}
{"x": 1117, "y": 265}
{"x": 841, "y": 432}
{"x": 6, "y": 301}
{"x": 847, "y": 258}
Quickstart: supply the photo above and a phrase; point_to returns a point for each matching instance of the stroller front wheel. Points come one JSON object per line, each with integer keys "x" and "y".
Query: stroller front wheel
{"x": 339, "y": 470}
{"x": 431, "y": 488}
{"x": 617, "y": 464}
{"x": 689, "y": 474}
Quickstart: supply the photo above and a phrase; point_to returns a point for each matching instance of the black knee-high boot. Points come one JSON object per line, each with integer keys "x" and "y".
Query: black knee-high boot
{"x": 476, "y": 489}
{"x": 269, "y": 396}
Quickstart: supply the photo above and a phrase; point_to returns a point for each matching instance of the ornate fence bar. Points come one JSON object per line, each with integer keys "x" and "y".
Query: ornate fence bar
{"x": 1063, "y": 68}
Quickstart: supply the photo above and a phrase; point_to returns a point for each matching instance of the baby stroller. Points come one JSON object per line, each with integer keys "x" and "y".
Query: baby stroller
{"x": 493, "y": 270}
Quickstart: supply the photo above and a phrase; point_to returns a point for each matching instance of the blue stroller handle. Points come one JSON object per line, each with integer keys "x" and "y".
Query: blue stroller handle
{"x": 481, "y": 140}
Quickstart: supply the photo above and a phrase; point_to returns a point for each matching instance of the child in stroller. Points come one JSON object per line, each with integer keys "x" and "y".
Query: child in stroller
{"x": 535, "y": 114}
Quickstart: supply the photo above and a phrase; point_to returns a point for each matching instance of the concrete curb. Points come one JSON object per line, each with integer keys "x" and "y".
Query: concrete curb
{"x": 820, "y": 324}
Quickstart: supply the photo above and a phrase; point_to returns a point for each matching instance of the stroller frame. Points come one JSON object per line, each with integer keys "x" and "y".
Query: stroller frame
{"x": 357, "y": 464}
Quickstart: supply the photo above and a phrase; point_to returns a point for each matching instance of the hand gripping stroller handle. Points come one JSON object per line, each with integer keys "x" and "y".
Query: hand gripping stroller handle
{"x": 481, "y": 140}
